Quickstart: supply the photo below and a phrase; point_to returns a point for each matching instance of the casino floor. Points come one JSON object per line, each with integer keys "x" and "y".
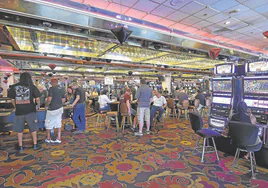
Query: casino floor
{"x": 101, "y": 158}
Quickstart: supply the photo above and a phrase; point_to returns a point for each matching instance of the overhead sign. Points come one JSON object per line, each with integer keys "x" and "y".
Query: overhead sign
{"x": 108, "y": 80}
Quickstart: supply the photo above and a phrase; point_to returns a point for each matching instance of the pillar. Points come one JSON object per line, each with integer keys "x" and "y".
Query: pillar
{"x": 167, "y": 82}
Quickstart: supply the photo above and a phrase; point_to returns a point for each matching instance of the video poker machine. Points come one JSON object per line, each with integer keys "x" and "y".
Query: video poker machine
{"x": 255, "y": 95}
{"x": 226, "y": 92}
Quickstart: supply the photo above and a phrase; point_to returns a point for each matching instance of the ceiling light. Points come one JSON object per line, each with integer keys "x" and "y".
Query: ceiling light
{"x": 227, "y": 23}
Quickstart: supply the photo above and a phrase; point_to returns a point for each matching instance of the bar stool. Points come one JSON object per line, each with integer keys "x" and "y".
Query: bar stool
{"x": 171, "y": 107}
{"x": 197, "y": 126}
{"x": 245, "y": 137}
{"x": 108, "y": 118}
{"x": 101, "y": 115}
{"x": 185, "y": 108}
{"x": 125, "y": 115}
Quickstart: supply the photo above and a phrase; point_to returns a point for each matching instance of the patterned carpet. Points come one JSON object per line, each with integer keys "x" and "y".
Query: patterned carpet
{"x": 107, "y": 159}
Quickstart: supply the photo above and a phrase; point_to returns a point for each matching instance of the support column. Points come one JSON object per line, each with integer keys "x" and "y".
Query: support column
{"x": 167, "y": 82}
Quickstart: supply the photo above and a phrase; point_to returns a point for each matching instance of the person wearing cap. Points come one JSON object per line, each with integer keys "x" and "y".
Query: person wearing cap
{"x": 79, "y": 105}
{"x": 54, "y": 107}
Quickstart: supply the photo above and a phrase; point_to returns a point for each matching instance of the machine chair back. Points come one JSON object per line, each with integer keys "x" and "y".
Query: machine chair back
{"x": 185, "y": 104}
{"x": 170, "y": 103}
{"x": 196, "y": 121}
{"x": 243, "y": 134}
{"x": 97, "y": 107}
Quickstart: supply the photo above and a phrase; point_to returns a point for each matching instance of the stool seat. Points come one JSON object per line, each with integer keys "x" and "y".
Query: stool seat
{"x": 207, "y": 133}
{"x": 252, "y": 148}
{"x": 124, "y": 114}
{"x": 110, "y": 114}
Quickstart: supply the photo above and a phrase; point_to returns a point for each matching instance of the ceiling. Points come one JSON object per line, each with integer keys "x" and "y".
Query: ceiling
{"x": 46, "y": 42}
{"x": 236, "y": 22}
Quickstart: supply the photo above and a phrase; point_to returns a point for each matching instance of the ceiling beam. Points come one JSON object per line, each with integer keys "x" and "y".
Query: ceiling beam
{"x": 25, "y": 56}
{"x": 9, "y": 37}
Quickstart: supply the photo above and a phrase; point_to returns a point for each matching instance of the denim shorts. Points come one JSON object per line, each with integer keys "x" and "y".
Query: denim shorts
{"x": 30, "y": 119}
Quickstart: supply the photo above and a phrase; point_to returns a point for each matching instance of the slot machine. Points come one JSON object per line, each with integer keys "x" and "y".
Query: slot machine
{"x": 255, "y": 95}
{"x": 225, "y": 95}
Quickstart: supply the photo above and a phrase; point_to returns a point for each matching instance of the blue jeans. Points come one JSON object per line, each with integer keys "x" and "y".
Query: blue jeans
{"x": 79, "y": 117}
{"x": 153, "y": 111}
{"x": 105, "y": 108}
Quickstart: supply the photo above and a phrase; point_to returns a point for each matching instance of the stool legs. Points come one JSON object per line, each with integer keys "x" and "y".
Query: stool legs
{"x": 237, "y": 153}
{"x": 252, "y": 165}
{"x": 204, "y": 148}
{"x": 215, "y": 149}
{"x": 117, "y": 123}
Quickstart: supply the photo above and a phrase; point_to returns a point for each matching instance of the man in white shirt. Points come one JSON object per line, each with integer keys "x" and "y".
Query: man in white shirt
{"x": 104, "y": 102}
{"x": 159, "y": 103}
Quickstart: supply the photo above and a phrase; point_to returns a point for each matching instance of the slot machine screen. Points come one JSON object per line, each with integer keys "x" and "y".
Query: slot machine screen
{"x": 257, "y": 67}
{"x": 221, "y": 100}
{"x": 222, "y": 86}
{"x": 256, "y": 86}
{"x": 224, "y": 69}
{"x": 256, "y": 103}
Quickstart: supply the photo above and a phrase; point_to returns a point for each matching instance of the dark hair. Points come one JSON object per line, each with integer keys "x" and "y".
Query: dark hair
{"x": 104, "y": 92}
{"x": 198, "y": 91}
{"x": 184, "y": 87}
{"x": 143, "y": 81}
{"x": 26, "y": 79}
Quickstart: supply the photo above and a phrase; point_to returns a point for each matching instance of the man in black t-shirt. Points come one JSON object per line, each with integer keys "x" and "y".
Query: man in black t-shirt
{"x": 23, "y": 95}
{"x": 79, "y": 117}
{"x": 54, "y": 106}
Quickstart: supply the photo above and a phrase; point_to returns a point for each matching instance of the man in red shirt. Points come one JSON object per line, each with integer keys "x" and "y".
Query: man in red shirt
{"x": 126, "y": 98}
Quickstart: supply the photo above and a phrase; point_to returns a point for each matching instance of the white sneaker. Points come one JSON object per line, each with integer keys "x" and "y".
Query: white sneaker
{"x": 138, "y": 134}
{"x": 48, "y": 141}
{"x": 56, "y": 141}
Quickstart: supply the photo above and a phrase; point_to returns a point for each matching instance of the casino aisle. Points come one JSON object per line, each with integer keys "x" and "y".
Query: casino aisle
{"x": 205, "y": 62}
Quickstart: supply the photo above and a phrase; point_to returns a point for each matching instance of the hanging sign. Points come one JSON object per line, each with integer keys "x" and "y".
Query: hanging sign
{"x": 108, "y": 80}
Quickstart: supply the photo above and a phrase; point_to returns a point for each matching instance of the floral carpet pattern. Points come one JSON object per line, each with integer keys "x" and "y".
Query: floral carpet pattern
{"x": 107, "y": 159}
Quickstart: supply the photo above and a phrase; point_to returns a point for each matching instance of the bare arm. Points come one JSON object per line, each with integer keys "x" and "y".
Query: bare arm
{"x": 76, "y": 100}
{"x": 13, "y": 103}
{"x": 48, "y": 101}
{"x": 128, "y": 105}
{"x": 37, "y": 100}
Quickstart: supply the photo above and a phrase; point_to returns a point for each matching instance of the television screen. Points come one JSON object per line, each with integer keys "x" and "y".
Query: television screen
{"x": 256, "y": 86}
{"x": 222, "y": 86}
{"x": 256, "y": 103}
{"x": 221, "y": 100}
{"x": 225, "y": 69}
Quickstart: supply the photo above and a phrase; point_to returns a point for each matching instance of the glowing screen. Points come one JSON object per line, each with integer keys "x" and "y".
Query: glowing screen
{"x": 261, "y": 66}
{"x": 256, "y": 86}
{"x": 224, "y": 69}
{"x": 256, "y": 103}
{"x": 222, "y": 86}
{"x": 221, "y": 100}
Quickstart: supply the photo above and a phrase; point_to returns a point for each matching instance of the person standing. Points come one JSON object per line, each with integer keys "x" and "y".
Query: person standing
{"x": 43, "y": 96}
{"x": 79, "y": 105}
{"x": 159, "y": 104}
{"x": 144, "y": 96}
{"x": 54, "y": 107}
{"x": 202, "y": 99}
{"x": 126, "y": 98}
{"x": 23, "y": 94}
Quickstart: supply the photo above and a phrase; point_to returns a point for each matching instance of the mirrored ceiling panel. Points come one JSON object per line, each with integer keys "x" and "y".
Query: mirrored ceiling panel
{"x": 45, "y": 42}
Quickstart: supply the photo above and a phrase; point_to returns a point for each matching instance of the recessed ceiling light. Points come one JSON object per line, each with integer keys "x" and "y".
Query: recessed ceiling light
{"x": 227, "y": 23}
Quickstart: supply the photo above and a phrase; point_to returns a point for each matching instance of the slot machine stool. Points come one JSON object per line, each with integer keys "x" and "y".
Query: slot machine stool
{"x": 246, "y": 141}
{"x": 197, "y": 126}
